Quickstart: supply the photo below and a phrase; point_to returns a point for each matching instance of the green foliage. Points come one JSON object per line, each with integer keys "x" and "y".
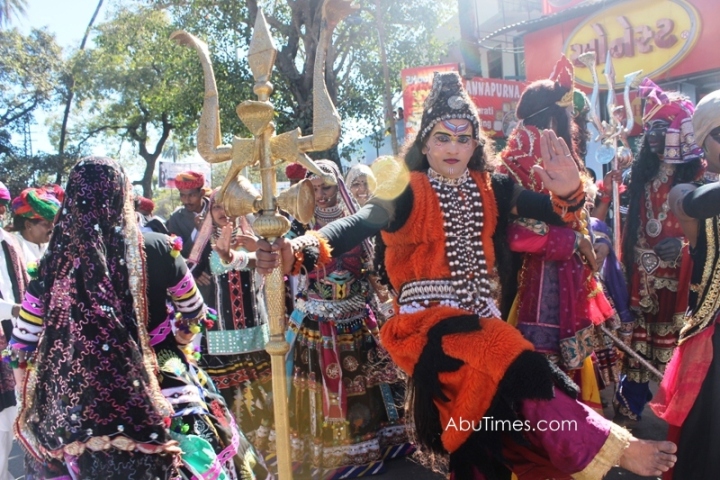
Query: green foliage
{"x": 132, "y": 84}
{"x": 135, "y": 75}
{"x": 19, "y": 172}
{"x": 355, "y": 81}
{"x": 136, "y": 85}
{"x": 31, "y": 70}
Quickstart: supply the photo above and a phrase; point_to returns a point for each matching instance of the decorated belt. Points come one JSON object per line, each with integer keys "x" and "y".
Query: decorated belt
{"x": 417, "y": 295}
{"x": 347, "y": 309}
{"x": 426, "y": 291}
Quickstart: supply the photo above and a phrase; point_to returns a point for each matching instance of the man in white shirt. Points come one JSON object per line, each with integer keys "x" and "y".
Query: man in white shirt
{"x": 34, "y": 213}
{"x": 13, "y": 280}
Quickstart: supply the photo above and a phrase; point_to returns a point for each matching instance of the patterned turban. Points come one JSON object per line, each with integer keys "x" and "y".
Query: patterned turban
{"x": 448, "y": 100}
{"x": 189, "y": 180}
{"x": 36, "y": 204}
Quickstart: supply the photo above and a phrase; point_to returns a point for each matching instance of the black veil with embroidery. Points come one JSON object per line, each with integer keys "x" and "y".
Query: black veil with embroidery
{"x": 95, "y": 371}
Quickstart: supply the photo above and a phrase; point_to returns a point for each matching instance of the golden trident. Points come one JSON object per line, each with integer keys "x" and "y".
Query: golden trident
{"x": 269, "y": 150}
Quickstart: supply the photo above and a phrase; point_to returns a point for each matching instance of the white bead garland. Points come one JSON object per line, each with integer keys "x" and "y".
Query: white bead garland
{"x": 463, "y": 220}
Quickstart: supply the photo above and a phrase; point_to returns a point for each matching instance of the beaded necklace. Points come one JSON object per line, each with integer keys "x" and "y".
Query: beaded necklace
{"x": 462, "y": 209}
{"x": 323, "y": 216}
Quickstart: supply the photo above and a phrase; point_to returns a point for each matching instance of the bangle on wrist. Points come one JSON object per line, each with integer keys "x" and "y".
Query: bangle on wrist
{"x": 239, "y": 259}
{"x": 229, "y": 262}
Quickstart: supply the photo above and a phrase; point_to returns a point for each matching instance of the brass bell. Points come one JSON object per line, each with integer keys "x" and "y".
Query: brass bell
{"x": 298, "y": 201}
{"x": 239, "y": 198}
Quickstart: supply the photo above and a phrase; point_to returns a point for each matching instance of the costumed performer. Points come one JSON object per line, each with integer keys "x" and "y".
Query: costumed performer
{"x": 559, "y": 302}
{"x": 103, "y": 397}
{"x": 346, "y": 394}
{"x": 654, "y": 250}
{"x": 441, "y": 237}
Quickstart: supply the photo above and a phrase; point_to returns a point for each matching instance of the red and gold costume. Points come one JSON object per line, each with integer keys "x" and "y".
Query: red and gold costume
{"x": 658, "y": 288}
{"x": 559, "y": 302}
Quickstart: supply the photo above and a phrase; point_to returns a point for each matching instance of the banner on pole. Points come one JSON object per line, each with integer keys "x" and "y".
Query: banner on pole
{"x": 169, "y": 170}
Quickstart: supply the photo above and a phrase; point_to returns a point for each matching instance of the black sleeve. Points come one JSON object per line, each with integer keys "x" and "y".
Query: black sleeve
{"x": 537, "y": 206}
{"x": 529, "y": 204}
{"x": 704, "y": 202}
{"x": 507, "y": 263}
{"x": 345, "y": 234}
{"x": 504, "y": 189}
{"x": 163, "y": 272}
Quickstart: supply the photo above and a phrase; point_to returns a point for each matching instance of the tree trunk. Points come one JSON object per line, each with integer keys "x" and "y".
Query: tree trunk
{"x": 150, "y": 157}
{"x": 146, "y": 181}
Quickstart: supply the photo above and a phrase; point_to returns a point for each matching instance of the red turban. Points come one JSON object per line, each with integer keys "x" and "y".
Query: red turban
{"x": 189, "y": 180}
{"x": 295, "y": 171}
{"x": 145, "y": 204}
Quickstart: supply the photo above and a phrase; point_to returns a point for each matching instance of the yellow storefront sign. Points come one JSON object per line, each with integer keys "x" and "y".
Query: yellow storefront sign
{"x": 652, "y": 35}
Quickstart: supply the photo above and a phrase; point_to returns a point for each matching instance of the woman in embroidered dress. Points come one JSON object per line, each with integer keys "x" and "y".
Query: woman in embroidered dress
{"x": 345, "y": 393}
{"x": 442, "y": 235}
{"x": 92, "y": 403}
{"x": 233, "y": 348}
{"x": 559, "y": 302}
{"x": 654, "y": 251}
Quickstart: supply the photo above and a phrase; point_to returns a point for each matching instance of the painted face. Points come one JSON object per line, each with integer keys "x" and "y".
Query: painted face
{"x": 712, "y": 150}
{"x": 359, "y": 189}
{"x": 220, "y": 218}
{"x": 449, "y": 147}
{"x": 655, "y": 133}
{"x": 192, "y": 199}
{"x": 325, "y": 195}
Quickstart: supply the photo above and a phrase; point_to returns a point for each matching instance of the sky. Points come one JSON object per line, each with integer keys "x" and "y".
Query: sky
{"x": 68, "y": 21}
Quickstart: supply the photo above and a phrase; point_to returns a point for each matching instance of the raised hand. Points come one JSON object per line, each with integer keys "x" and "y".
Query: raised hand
{"x": 248, "y": 242}
{"x": 559, "y": 172}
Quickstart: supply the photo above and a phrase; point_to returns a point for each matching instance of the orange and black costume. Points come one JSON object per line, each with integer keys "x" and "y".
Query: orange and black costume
{"x": 439, "y": 242}
{"x": 464, "y": 366}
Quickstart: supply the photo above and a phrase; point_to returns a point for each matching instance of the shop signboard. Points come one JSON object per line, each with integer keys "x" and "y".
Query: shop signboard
{"x": 495, "y": 99}
{"x": 652, "y": 35}
{"x": 169, "y": 170}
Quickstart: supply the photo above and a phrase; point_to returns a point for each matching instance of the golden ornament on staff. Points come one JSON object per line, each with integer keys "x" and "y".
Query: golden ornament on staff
{"x": 268, "y": 150}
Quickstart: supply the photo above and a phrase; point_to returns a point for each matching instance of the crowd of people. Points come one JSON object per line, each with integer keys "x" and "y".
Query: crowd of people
{"x": 134, "y": 346}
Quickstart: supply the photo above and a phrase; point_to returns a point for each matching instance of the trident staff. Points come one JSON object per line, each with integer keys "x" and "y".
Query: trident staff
{"x": 614, "y": 129}
{"x": 267, "y": 150}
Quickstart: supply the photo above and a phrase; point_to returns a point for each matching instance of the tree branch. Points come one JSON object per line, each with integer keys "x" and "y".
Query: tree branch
{"x": 7, "y": 120}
